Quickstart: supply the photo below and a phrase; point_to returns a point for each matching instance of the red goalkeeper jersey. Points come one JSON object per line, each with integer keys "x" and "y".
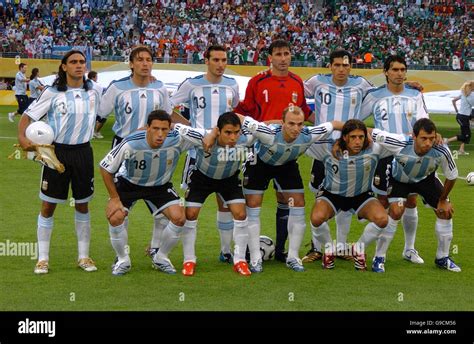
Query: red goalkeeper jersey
{"x": 267, "y": 96}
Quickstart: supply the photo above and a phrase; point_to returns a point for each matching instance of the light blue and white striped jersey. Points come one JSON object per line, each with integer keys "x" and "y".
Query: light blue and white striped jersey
{"x": 20, "y": 84}
{"x": 34, "y": 90}
{"x": 143, "y": 165}
{"x": 71, "y": 114}
{"x": 409, "y": 167}
{"x": 132, "y": 104}
{"x": 336, "y": 103}
{"x": 279, "y": 152}
{"x": 352, "y": 175}
{"x": 223, "y": 162}
{"x": 395, "y": 113}
{"x": 206, "y": 101}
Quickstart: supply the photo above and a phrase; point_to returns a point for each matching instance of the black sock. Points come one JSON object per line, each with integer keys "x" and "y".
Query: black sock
{"x": 281, "y": 227}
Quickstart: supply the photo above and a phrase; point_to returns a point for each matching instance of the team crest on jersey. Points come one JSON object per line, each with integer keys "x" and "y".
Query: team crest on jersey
{"x": 409, "y": 115}
{"x": 62, "y": 108}
{"x": 294, "y": 97}
{"x": 377, "y": 180}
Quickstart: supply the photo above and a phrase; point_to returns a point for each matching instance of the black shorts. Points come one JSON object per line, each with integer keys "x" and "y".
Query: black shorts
{"x": 383, "y": 171}
{"x": 23, "y": 103}
{"x": 463, "y": 121}
{"x": 101, "y": 120}
{"x": 157, "y": 198}
{"x": 201, "y": 186}
{"x": 116, "y": 141}
{"x": 78, "y": 161}
{"x": 286, "y": 177}
{"x": 352, "y": 204}
{"x": 318, "y": 172}
{"x": 429, "y": 189}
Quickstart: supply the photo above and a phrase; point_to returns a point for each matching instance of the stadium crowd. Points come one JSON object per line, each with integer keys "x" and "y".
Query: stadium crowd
{"x": 429, "y": 33}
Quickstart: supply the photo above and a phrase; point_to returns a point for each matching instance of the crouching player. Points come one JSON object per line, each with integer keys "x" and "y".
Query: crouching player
{"x": 414, "y": 172}
{"x": 217, "y": 171}
{"x": 347, "y": 187}
{"x": 149, "y": 158}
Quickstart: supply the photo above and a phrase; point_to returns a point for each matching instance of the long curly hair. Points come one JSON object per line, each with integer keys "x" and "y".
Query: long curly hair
{"x": 349, "y": 126}
{"x": 61, "y": 80}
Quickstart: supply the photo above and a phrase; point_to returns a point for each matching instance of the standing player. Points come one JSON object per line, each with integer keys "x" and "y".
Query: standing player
{"x": 132, "y": 99}
{"x": 208, "y": 96}
{"x": 396, "y": 108}
{"x": 347, "y": 185}
{"x": 21, "y": 82}
{"x": 149, "y": 159}
{"x": 266, "y": 96}
{"x": 277, "y": 161}
{"x": 414, "y": 171}
{"x": 337, "y": 96}
{"x": 70, "y": 107}
{"x": 217, "y": 171}
{"x": 36, "y": 86}
{"x": 463, "y": 115}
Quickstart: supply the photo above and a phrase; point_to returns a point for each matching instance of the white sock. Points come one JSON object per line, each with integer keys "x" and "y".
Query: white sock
{"x": 119, "y": 239}
{"x": 83, "y": 232}
{"x": 323, "y": 235}
{"x": 444, "y": 233}
{"x": 44, "y": 230}
{"x": 169, "y": 239}
{"x": 343, "y": 226}
{"x": 386, "y": 237}
{"x": 241, "y": 238}
{"x": 296, "y": 228}
{"x": 188, "y": 237}
{"x": 254, "y": 233}
{"x": 410, "y": 223}
{"x": 225, "y": 225}
{"x": 370, "y": 234}
{"x": 159, "y": 223}
{"x": 316, "y": 243}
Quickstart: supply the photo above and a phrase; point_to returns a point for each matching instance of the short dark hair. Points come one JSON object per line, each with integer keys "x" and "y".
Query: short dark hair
{"x": 340, "y": 53}
{"x": 228, "y": 118}
{"x": 92, "y": 74}
{"x": 351, "y": 125}
{"x": 21, "y": 65}
{"x": 391, "y": 59}
{"x": 426, "y": 124}
{"x": 211, "y": 48}
{"x": 279, "y": 43}
{"x": 160, "y": 115}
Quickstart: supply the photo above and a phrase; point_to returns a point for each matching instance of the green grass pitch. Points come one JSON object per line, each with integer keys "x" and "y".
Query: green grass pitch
{"x": 215, "y": 287}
